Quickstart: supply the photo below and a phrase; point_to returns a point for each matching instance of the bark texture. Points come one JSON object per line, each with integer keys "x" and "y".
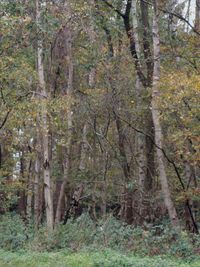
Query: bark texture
{"x": 158, "y": 130}
{"x": 45, "y": 127}
{"x": 197, "y": 15}
{"x": 69, "y": 71}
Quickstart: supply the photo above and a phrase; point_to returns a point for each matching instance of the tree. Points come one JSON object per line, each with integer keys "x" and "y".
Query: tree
{"x": 157, "y": 126}
{"x": 42, "y": 91}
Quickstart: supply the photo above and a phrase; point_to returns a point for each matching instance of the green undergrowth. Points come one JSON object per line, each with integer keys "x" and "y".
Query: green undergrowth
{"x": 106, "y": 243}
{"x": 104, "y": 258}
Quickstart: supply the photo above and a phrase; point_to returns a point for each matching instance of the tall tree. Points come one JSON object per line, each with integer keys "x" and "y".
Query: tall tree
{"x": 42, "y": 91}
{"x": 157, "y": 125}
{"x": 69, "y": 72}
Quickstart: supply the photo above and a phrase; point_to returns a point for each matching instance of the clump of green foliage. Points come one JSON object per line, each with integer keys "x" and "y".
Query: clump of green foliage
{"x": 74, "y": 235}
{"x": 13, "y": 232}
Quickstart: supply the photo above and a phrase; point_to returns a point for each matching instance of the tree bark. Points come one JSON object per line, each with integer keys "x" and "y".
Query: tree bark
{"x": 140, "y": 138}
{"x": 36, "y": 191}
{"x": 22, "y": 193}
{"x": 45, "y": 127}
{"x": 84, "y": 148}
{"x": 197, "y": 15}
{"x": 74, "y": 208}
{"x": 67, "y": 32}
{"x": 157, "y": 125}
{"x": 144, "y": 151}
{"x": 29, "y": 192}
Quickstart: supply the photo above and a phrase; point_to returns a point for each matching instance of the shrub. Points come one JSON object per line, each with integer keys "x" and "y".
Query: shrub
{"x": 13, "y": 232}
{"x": 114, "y": 234}
{"x": 182, "y": 247}
{"x": 74, "y": 235}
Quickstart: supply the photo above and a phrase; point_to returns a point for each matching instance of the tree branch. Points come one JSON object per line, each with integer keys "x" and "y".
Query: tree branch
{"x": 114, "y": 8}
{"x": 5, "y": 119}
{"x": 179, "y": 16}
{"x": 128, "y": 8}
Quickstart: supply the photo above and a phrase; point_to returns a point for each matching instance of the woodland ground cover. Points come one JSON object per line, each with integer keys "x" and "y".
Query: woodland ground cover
{"x": 85, "y": 243}
{"x": 104, "y": 258}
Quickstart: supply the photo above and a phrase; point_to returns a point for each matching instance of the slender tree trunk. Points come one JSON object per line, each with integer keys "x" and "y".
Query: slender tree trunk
{"x": 91, "y": 83}
{"x": 146, "y": 50}
{"x": 74, "y": 208}
{"x": 1, "y": 156}
{"x": 36, "y": 191}
{"x": 29, "y": 192}
{"x": 197, "y": 15}
{"x": 140, "y": 138}
{"x": 45, "y": 128}
{"x": 69, "y": 89}
{"x": 122, "y": 151}
{"x": 84, "y": 148}
{"x": 145, "y": 151}
{"x": 104, "y": 185}
{"x": 22, "y": 193}
{"x": 158, "y": 130}
{"x": 189, "y": 176}
{"x": 66, "y": 167}
{"x": 142, "y": 144}
{"x": 62, "y": 190}
{"x": 37, "y": 187}
{"x": 94, "y": 165}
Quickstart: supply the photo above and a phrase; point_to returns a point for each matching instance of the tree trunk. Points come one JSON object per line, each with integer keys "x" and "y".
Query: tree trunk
{"x": 70, "y": 70}
{"x": 74, "y": 207}
{"x": 197, "y": 15}
{"x": 62, "y": 190}
{"x": 84, "y": 148}
{"x": 22, "y": 193}
{"x": 158, "y": 130}
{"x": 36, "y": 192}
{"x": 45, "y": 128}
{"x": 66, "y": 164}
{"x": 122, "y": 151}
{"x": 29, "y": 192}
{"x": 144, "y": 151}
{"x": 140, "y": 138}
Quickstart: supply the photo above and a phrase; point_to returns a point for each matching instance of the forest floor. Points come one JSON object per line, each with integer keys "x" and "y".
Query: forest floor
{"x": 106, "y": 258}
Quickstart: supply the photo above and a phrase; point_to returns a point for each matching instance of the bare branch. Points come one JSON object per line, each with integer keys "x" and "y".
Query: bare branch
{"x": 179, "y": 16}
{"x": 5, "y": 119}
{"x": 114, "y": 8}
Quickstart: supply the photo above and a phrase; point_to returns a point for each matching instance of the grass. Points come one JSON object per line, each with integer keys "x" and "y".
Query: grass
{"x": 106, "y": 258}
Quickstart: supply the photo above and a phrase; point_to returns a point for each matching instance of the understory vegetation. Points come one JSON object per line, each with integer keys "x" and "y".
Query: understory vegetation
{"x": 83, "y": 242}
